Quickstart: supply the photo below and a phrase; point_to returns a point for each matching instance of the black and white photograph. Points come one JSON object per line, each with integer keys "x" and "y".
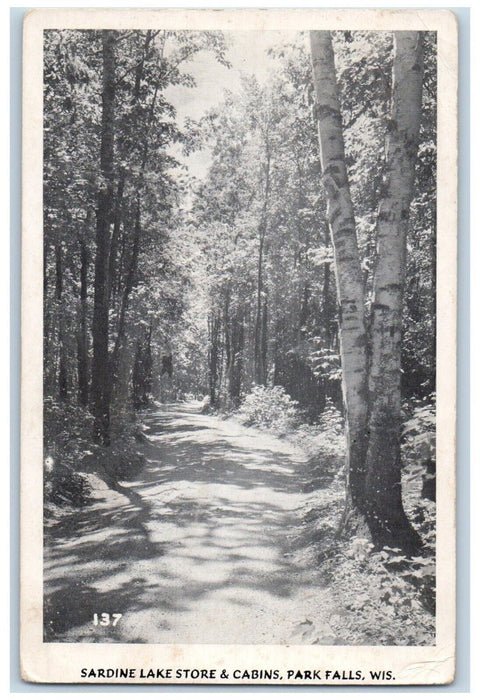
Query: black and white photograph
{"x": 240, "y": 327}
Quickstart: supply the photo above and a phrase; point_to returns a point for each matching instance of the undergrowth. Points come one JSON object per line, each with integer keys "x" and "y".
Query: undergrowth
{"x": 382, "y": 597}
{"x": 379, "y": 589}
{"x": 270, "y": 408}
{"x": 70, "y": 455}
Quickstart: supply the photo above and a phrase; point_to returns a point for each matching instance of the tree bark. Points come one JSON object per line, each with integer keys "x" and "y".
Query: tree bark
{"x": 131, "y": 275}
{"x": 327, "y": 307}
{"x": 235, "y": 367}
{"x": 100, "y": 390}
{"x": 214, "y": 328}
{"x": 129, "y": 285}
{"x": 142, "y": 371}
{"x": 62, "y": 362}
{"x": 373, "y": 409}
{"x": 384, "y": 509}
{"x": 117, "y": 223}
{"x": 82, "y": 342}
{"x": 349, "y": 280}
{"x": 260, "y": 349}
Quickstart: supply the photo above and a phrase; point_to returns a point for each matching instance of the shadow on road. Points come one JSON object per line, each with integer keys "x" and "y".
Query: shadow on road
{"x": 197, "y": 549}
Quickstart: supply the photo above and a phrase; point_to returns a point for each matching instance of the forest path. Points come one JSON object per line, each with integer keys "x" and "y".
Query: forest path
{"x": 198, "y": 549}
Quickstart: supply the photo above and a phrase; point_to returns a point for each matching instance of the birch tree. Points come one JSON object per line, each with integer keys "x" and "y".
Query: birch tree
{"x": 349, "y": 278}
{"x": 383, "y": 483}
{"x": 371, "y": 362}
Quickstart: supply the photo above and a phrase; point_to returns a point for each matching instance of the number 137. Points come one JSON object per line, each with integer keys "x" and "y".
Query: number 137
{"x": 105, "y": 619}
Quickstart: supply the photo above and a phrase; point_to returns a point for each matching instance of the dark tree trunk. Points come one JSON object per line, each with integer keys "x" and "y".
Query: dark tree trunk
{"x": 131, "y": 275}
{"x": 142, "y": 376}
{"x": 259, "y": 369}
{"x": 214, "y": 328}
{"x": 62, "y": 362}
{"x": 148, "y": 370}
{"x": 304, "y": 311}
{"x": 260, "y": 347}
{"x": 82, "y": 342}
{"x": 117, "y": 223}
{"x": 429, "y": 481}
{"x": 137, "y": 378}
{"x": 264, "y": 340}
{"x": 117, "y": 218}
{"x": 261, "y": 331}
{"x": 227, "y": 331}
{"x": 100, "y": 390}
{"x": 129, "y": 284}
{"x": 235, "y": 367}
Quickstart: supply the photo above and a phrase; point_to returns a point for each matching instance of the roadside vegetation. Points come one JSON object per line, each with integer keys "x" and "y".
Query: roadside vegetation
{"x": 391, "y": 595}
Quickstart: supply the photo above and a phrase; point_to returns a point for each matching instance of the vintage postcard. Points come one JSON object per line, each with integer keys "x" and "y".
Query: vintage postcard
{"x": 239, "y": 347}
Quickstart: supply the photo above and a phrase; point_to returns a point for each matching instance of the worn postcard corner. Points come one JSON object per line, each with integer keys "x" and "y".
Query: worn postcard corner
{"x": 238, "y": 398}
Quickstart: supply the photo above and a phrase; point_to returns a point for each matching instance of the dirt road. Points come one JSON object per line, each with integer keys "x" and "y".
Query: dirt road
{"x": 199, "y": 549}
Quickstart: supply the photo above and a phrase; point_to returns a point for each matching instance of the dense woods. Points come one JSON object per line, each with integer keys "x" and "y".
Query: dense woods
{"x": 293, "y": 279}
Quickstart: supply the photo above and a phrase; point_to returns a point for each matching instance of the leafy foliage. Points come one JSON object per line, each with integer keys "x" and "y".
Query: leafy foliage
{"x": 271, "y": 408}
{"x": 380, "y": 589}
{"x": 70, "y": 455}
{"x": 324, "y": 440}
{"x": 419, "y": 430}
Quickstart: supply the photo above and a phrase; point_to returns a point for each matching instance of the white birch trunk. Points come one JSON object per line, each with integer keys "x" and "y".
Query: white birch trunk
{"x": 349, "y": 278}
{"x": 386, "y": 517}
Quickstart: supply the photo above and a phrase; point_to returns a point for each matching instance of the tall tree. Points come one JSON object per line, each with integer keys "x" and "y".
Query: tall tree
{"x": 349, "y": 277}
{"x": 260, "y": 349}
{"x": 105, "y": 202}
{"x": 82, "y": 337}
{"x": 383, "y": 479}
{"x": 372, "y": 366}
